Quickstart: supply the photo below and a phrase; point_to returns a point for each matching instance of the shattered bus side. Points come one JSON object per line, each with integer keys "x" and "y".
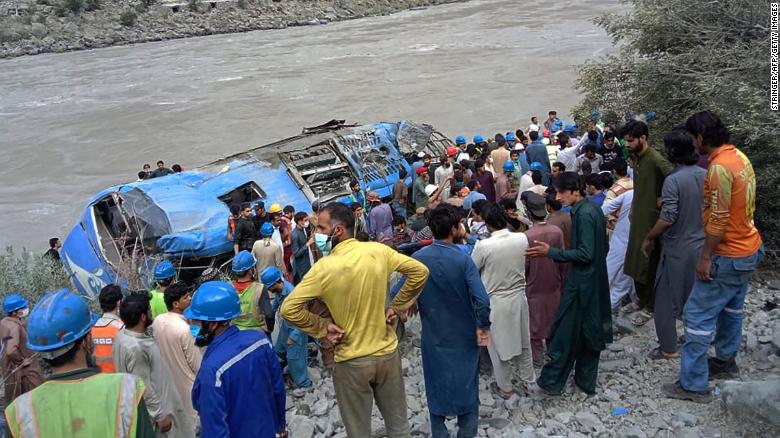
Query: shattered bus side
{"x": 128, "y": 228}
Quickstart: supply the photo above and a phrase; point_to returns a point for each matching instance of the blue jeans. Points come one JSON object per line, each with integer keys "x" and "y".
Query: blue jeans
{"x": 296, "y": 355}
{"x": 467, "y": 425}
{"x": 715, "y": 307}
{"x": 399, "y": 210}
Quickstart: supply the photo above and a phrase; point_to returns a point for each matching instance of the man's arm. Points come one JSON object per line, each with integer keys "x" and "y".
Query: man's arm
{"x": 721, "y": 183}
{"x": 670, "y": 197}
{"x": 279, "y": 259}
{"x": 209, "y": 401}
{"x": 11, "y": 348}
{"x": 136, "y": 362}
{"x": 416, "y": 274}
{"x": 584, "y": 251}
{"x": 479, "y": 297}
{"x": 298, "y": 243}
{"x": 192, "y": 354}
{"x": 294, "y": 306}
{"x": 144, "y": 425}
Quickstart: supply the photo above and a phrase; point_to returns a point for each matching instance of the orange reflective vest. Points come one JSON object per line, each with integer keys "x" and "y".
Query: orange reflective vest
{"x": 103, "y": 334}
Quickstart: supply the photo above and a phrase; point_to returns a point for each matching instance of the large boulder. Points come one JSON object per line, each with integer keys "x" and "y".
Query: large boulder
{"x": 753, "y": 400}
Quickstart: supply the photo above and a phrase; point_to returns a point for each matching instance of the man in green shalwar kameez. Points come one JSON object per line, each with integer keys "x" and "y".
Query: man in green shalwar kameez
{"x": 650, "y": 171}
{"x": 583, "y": 324}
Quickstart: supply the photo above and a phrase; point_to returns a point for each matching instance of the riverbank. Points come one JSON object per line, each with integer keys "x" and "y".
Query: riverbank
{"x": 52, "y": 26}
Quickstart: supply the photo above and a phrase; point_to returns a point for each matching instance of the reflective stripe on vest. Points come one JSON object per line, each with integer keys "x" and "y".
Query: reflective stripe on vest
{"x": 248, "y": 320}
{"x": 25, "y": 419}
{"x": 103, "y": 338}
{"x": 126, "y": 409}
{"x": 25, "y": 416}
{"x": 233, "y": 360}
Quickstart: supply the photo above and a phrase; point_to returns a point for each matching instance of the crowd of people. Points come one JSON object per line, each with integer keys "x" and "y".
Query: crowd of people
{"x": 147, "y": 173}
{"x": 523, "y": 246}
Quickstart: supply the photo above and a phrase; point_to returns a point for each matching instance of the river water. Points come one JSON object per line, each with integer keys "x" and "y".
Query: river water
{"x": 72, "y": 124}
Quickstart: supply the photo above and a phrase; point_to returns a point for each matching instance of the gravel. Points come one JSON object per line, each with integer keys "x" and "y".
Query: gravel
{"x": 627, "y": 379}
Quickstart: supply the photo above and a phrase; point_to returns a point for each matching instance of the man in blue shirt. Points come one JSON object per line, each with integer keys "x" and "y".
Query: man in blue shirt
{"x": 239, "y": 389}
{"x": 536, "y": 151}
{"x": 292, "y": 344}
{"x": 595, "y": 189}
{"x": 474, "y": 194}
{"x": 455, "y": 314}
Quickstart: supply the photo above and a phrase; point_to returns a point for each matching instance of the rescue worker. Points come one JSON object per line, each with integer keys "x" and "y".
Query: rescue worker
{"x": 292, "y": 344}
{"x": 239, "y": 390}
{"x": 77, "y": 401}
{"x": 249, "y": 292}
{"x": 21, "y": 370}
{"x": 105, "y": 329}
{"x": 164, "y": 274}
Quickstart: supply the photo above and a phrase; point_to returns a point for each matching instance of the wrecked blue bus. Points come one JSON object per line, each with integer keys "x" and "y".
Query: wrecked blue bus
{"x": 127, "y": 228}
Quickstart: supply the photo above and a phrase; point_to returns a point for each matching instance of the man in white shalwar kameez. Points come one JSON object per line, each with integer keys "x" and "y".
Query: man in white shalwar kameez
{"x": 135, "y": 352}
{"x": 620, "y": 284}
{"x": 501, "y": 262}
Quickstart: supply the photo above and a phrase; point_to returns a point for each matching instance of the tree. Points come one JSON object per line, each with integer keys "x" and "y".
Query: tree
{"x": 677, "y": 57}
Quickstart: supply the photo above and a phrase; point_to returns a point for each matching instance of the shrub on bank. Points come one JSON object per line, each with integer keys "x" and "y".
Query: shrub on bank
{"x": 677, "y": 57}
{"x": 30, "y": 275}
{"x": 128, "y": 17}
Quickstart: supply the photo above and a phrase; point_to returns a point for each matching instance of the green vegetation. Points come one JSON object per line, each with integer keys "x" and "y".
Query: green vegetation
{"x": 677, "y": 57}
{"x": 30, "y": 275}
{"x": 128, "y": 17}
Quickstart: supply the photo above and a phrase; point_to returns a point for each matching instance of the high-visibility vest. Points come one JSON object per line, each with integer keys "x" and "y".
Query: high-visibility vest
{"x": 157, "y": 303}
{"x": 248, "y": 319}
{"x": 103, "y": 405}
{"x": 103, "y": 334}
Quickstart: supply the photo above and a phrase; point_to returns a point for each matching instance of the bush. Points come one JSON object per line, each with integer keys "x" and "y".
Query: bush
{"x": 91, "y": 5}
{"x": 677, "y": 57}
{"x": 193, "y": 5}
{"x": 30, "y": 275}
{"x": 74, "y": 6}
{"x": 128, "y": 17}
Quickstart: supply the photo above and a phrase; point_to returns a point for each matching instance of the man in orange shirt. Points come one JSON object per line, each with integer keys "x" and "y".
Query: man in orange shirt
{"x": 732, "y": 250}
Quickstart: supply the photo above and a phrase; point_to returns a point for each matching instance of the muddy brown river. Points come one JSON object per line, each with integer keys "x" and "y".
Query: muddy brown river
{"x": 72, "y": 124}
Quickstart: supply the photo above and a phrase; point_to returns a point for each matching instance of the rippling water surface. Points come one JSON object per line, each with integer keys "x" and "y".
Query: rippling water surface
{"x": 72, "y": 124}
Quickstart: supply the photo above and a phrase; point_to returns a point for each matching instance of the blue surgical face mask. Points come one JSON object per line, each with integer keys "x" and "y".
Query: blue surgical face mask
{"x": 323, "y": 242}
{"x": 194, "y": 330}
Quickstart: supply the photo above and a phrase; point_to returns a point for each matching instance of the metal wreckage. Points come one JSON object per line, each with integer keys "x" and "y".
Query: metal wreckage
{"x": 127, "y": 228}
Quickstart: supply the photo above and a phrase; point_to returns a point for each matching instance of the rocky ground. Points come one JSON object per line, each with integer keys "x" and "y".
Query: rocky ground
{"x": 629, "y": 382}
{"x": 43, "y": 26}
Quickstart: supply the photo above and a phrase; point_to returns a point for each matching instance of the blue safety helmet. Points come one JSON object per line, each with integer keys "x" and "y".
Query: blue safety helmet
{"x": 267, "y": 229}
{"x": 650, "y": 116}
{"x": 270, "y": 276}
{"x": 459, "y": 140}
{"x": 214, "y": 301}
{"x": 571, "y": 127}
{"x": 243, "y": 261}
{"x": 510, "y": 137}
{"x": 164, "y": 270}
{"x": 595, "y": 115}
{"x": 508, "y": 166}
{"x": 478, "y": 139}
{"x": 537, "y": 166}
{"x": 14, "y": 302}
{"x": 60, "y": 318}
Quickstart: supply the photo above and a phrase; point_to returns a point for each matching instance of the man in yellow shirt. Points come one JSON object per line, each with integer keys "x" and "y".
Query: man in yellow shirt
{"x": 352, "y": 282}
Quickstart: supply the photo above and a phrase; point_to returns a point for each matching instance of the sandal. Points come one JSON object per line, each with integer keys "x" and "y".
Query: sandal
{"x": 640, "y": 318}
{"x": 497, "y": 391}
{"x": 630, "y": 308}
{"x": 658, "y": 354}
